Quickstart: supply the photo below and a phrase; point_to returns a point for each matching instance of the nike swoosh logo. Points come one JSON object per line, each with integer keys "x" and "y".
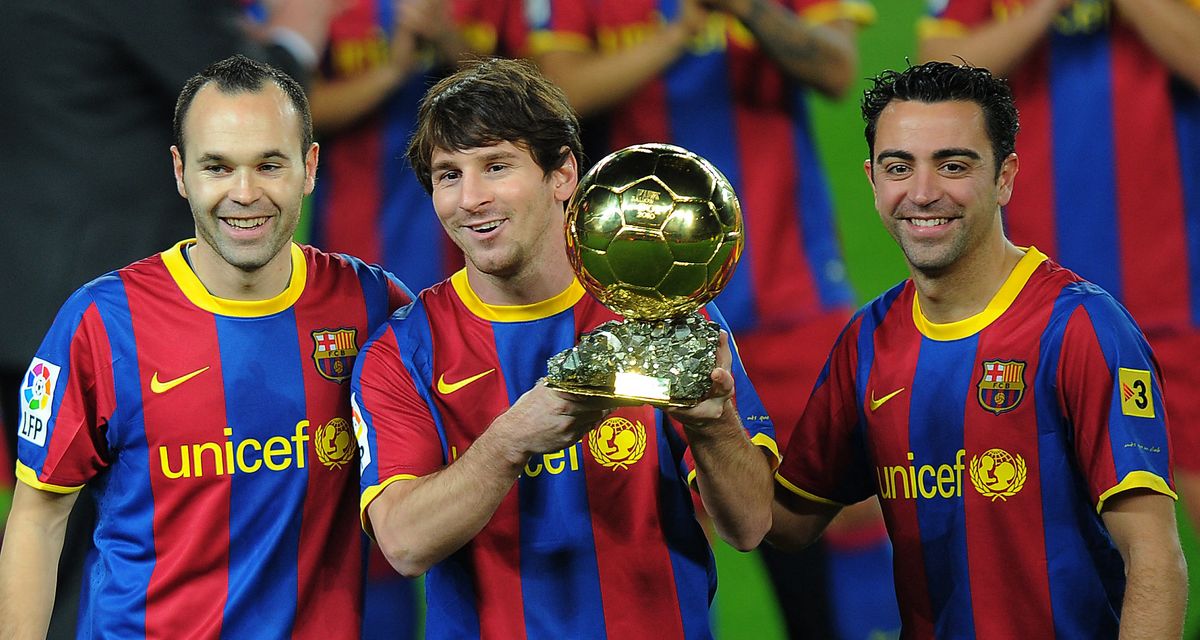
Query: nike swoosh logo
{"x": 875, "y": 404}
{"x": 447, "y": 388}
{"x": 163, "y": 387}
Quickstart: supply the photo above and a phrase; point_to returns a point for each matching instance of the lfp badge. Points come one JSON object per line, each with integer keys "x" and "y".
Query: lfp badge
{"x": 334, "y": 351}
{"x": 1002, "y": 385}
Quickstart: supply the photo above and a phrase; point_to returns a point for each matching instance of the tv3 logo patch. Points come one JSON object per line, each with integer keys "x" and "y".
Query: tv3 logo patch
{"x": 37, "y": 395}
{"x": 1137, "y": 395}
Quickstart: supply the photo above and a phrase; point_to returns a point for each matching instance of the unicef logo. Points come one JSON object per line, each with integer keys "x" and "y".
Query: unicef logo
{"x": 38, "y": 387}
{"x": 998, "y": 474}
{"x": 617, "y": 443}
{"x": 334, "y": 443}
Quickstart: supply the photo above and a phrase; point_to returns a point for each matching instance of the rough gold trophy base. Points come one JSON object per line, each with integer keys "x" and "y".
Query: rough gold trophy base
{"x": 665, "y": 363}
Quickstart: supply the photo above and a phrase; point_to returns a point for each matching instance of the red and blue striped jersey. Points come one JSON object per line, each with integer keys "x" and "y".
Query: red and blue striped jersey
{"x": 216, "y": 438}
{"x": 727, "y": 101}
{"x": 598, "y": 539}
{"x": 992, "y": 444}
{"x": 1110, "y": 157}
{"x": 368, "y": 201}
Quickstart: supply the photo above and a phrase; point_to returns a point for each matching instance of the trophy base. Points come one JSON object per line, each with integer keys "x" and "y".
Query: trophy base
{"x": 665, "y": 363}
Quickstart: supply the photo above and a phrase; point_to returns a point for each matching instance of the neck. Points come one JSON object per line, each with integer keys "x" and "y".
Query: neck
{"x": 536, "y": 282}
{"x": 965, "y": 288}
{"x": 224, "y": 280}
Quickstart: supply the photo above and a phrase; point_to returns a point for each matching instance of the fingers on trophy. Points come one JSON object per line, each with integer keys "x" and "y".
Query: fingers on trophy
{"x": 654, "y": 232}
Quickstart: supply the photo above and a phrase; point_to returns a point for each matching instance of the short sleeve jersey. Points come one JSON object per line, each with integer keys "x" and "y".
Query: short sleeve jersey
{"x": 215, "y": 436}
{"x": 598, "y": 539}
{"x": 992, "y": 444}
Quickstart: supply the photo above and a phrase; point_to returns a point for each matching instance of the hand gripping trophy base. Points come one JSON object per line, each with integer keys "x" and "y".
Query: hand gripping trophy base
{"x": 661, "y": 362}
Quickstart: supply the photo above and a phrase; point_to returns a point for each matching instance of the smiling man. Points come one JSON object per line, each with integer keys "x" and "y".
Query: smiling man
{"x": 537, "y": 512}
{"x": 1008, "y": 414}
{"x": 202, "y": 393}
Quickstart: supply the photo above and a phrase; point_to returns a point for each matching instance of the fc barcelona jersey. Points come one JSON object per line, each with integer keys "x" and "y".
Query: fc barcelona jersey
{"x": 216, "y": 437}
{"x": 1110, "y": 157}
{"x": 992, "y": 444}
{"x": 596, "y": 540}
{"x": 368, "y": 201}
{"x": 727, "y": 101}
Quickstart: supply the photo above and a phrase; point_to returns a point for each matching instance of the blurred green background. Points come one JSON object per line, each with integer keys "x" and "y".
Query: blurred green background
{"x": 746, "y": 607}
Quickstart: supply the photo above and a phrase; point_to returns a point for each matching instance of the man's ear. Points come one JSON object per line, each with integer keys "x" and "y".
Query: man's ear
{"x": 177, "y": 161}
{"x": 1006, "y": 179}
{"x": 310, "y": 167}
{"x": 565, "y": 177}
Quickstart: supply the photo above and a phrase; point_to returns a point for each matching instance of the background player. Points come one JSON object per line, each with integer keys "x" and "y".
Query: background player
{"x": 732, "y": 81}
{"x": 201, "y": 394}
{"x": 1012, "y": 412}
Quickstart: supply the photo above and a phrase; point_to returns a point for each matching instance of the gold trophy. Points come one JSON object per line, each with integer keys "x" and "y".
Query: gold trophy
{"x": 654, "y": 232}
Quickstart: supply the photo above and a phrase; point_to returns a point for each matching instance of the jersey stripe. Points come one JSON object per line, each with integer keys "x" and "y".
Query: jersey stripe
{"x": 1187, "y": 130}
{"x": 263, "y": 581}
{"x": 1019, "y": 516}
{"x": 176, "y": 460}
{"x": 937, "y": 410}
{"x": 137, "y": 517}
{"x": 1082, "y": 105}
{"x": 1148, "y": 217}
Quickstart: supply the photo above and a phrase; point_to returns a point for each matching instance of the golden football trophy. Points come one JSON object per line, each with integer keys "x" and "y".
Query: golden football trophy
{"x": 654, "y": 232}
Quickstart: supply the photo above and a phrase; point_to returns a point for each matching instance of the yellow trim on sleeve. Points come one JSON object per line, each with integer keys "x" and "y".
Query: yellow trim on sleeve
{"x": 804, "y": 494}
{"x": 30, "y": 477}
{"x": 515, "y": 313}
{"x": 760, "y": 440}
{"x": 998, "y": 305}
{"x": 928, "y": 27}
{"x": 369, "y": 496}
{"x": 191, "y": 286}
{"x": 546, "y": 41}
{"x": 1137, "y": 480}
{"x": 860, "y": 13}
{"x": 767, "y": 442}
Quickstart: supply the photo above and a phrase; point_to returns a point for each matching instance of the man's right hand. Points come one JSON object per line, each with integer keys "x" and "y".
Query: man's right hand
{"x": 544, "y": 420}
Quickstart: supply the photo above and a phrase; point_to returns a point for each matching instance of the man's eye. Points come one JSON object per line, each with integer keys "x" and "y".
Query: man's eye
{"x": 214, "y": 169}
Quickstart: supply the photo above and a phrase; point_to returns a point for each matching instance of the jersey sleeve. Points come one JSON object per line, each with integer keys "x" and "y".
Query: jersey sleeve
{"x": 393, "y": 423}
{"x": 66, "y": 398}
{"x": 952, "y": 18}
{"x": 825, "y": 457}
{"x": 1110, "y": 388}
{"x": 559, "y": 25}
{"x": 860, "y": 12}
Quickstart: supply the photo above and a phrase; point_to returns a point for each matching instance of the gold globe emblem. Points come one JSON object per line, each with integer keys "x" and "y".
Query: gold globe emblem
{"x": 654, "y": 231}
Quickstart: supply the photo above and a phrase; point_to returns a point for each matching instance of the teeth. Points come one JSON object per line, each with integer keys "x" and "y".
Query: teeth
{"x": 484, "y": 228}
{"x": 245, "y": 223}
{"x": 928, "y": 223}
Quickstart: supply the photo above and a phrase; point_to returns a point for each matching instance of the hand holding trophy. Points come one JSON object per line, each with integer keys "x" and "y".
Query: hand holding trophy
{"x": 654, "y": 232}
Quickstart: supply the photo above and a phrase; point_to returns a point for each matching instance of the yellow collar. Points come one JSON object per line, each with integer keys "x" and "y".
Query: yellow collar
{"x": 997, "y": 306}
{"x": 191, "y": 286}
{"x": 519, "y": 312}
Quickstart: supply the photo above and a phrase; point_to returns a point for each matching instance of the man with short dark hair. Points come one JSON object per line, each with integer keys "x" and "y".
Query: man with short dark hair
{"x": 1008, "y": 414}
{"x": 201, "y": 393}
{"x": 536, "y": 511}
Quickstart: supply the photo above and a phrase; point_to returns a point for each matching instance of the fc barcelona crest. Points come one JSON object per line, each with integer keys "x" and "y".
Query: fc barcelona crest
{"x": 334, "y": 351}
{"x": 1002, "y": 385}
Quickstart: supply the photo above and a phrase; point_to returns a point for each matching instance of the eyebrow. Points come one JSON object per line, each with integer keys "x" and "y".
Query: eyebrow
{"x": 489, "y": 156}
{"x": 273, "y": 154}
{"x": 940, "y": 154}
